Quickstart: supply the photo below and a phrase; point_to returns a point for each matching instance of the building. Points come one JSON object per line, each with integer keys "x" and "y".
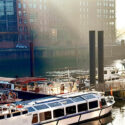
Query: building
{"x": 63, "y": 23}
{"x": 8, "y": 24}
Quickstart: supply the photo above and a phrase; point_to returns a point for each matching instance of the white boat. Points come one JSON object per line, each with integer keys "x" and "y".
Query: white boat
{"x": 111, "y": 73}
{"x": 60, "y": 110}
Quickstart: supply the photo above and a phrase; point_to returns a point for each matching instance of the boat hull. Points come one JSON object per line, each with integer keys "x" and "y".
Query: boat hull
{"x": 81, "y": 117}
{"x": 19, "y": 120}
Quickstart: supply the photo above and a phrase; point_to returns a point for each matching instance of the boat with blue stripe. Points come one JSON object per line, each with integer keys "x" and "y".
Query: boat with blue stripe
{"x": 61, "y": 110}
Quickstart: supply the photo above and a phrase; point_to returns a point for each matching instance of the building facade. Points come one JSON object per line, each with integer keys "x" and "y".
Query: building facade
{"x": 60, "y": 23}
{"x": 8, "y": 24}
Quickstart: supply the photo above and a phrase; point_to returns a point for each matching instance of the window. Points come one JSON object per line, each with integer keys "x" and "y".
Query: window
{"x": 20, "y": 13}
{"x": 70, "y": 110}
{"x": 93, "y": 104}
{"x": 82, "y": 107}
{"x": 103, "y": 102}
{"x": 54, "y": 104}
{"x": 39, "y": 107}
{"x": 45, "y": 116}
{"x": 8, "y": 115}
{"x": 58, "y": 113}
{"x": 19, "y": 5}
{"x": 30, "y": 109}
{"x": 24, "y": 112}
{"x": 105, "y": 72}
{"x": 2, "y": 117}
{"x": 35, "y": 118}
{"x": 16, "y": 114}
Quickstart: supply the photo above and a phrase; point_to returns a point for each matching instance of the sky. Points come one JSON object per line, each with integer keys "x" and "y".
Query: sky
{"x": 120, "y": 14}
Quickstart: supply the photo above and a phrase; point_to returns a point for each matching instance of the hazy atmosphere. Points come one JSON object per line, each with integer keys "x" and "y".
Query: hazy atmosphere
{"x": 62, "y": 62}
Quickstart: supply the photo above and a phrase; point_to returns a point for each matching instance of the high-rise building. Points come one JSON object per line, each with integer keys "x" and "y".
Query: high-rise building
{"x": 8, "y": 23}
{"x": 62, "y": 22}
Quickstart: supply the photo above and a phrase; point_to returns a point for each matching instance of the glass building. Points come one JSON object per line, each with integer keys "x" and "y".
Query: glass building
{"x": 8, "y": 22}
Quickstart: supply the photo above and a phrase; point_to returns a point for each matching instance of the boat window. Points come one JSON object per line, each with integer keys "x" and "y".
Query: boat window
{"x": 8, "y": 115}
{"x": 112, "y": 72}
{"x": 45, "y": 116}
{"x": 30, "y": 109}
{"x": 70, "y": 110}
{"x": 103, "y": 102}
{"x": 39, "y": 107}
{"x": 77, "y": 99}
{"x": 82, "y": 107}
{"x": 24, "y": 112}
{"x": 89, "y": 96}
{"x": 4, "y": 109}
{"x": 54, "y": 104}
{"x": 12, "y": 110}
{"x": 67, "y": 101}
{"x": 105, "y": 72}
{"x": 16, "y": 114}
{"x": 93, "y": 104}
{"x": 1, "y": 116}
{"x": 35, "y": 118}
{"x": 58, "y": 113}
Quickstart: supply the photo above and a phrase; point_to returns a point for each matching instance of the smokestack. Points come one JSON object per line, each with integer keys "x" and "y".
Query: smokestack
{"x": 100, "y": 56}
{"x": 92, "y": 56}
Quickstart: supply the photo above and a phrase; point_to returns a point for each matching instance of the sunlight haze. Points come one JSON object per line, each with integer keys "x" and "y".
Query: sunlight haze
{"x": 120, "y": 14}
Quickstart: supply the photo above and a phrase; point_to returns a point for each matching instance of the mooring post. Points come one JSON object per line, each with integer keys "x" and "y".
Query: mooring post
{"x": 92, "y": 56}
{"x": 32, "y": 57}
{"x": 100, "y": 56}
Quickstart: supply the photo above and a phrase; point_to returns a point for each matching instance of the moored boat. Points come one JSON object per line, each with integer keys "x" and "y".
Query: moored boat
{"x": 59, "y": 110}
{"x": 6, "y": 93}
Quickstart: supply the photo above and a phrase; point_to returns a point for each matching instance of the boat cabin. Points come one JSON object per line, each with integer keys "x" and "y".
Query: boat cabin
{"x": 6, "y": 85}
{"x": 9, "y": 111}
{"x": 61, "y": 107}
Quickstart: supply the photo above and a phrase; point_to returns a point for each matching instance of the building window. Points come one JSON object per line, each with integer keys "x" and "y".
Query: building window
{"x": 24, "y": 5}
{"x": 20, "y": 28}
{"x": 20, "y": 13}
{"x": 19, "y": 5}
{"x": 20, "y": 21}
{"x": 25, "y": 21}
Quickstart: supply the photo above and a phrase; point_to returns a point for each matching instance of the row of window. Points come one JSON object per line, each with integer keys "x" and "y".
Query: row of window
{"x": 61, "y": 111}
{"x": 30, "y": 5}
{"x": 13, "y": 114}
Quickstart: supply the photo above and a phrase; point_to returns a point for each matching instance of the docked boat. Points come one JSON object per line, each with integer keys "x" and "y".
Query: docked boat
{"x": 58, "y": 110}
{"x": 6, "y": 93}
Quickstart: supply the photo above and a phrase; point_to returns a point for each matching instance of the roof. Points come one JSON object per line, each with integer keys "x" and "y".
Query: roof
{"x": 52, "y": 102}
{"x": 4, "y": 82}
{"x": 26, "y": 80}
{"x": 6, "y": 79}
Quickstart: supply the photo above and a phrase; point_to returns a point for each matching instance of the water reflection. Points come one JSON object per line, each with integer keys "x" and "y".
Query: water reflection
{"x": 117, "y": 117}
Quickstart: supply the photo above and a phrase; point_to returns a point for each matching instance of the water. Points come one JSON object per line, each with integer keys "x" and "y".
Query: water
{"x": 117, "y": 117}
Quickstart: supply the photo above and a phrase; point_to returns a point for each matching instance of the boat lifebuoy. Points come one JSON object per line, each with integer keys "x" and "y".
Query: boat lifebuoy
{"x": 19, "y": 106}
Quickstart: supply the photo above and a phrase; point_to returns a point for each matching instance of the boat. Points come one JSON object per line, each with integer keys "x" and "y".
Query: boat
{"x": 58, "y": 110}
{"x": 6, "y": 93}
